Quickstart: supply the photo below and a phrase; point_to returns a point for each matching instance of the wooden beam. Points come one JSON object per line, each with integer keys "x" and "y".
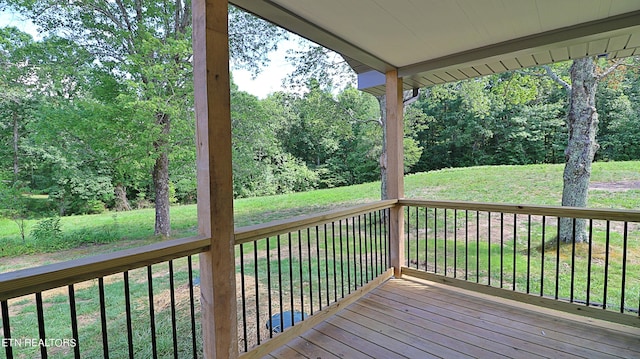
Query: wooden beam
{"x": 273, "y": 228}
{"x": 215, "y": 189}
{"x": 38, "y": 279}
{"x": 395, "y": 166}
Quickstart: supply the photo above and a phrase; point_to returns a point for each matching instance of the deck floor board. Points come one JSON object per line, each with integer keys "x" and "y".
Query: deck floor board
{"x": 605, "y": 339}
{"x": 406, "y": 318}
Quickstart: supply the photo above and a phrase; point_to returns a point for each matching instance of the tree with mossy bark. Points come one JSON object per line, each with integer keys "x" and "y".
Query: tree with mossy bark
{"x": 582, "y": 123}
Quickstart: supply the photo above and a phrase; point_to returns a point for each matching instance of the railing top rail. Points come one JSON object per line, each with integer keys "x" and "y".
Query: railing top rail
{"x": 552, "y": 211}
{"x": 259, "y": 231}
{"x": 33, "y": 280}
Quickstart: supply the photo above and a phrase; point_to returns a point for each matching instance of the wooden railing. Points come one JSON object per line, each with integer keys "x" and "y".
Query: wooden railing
{"x": 515, "y": 247}
{"x": 121, "y": 304}
{"x": 294, "y": 273}
{"x": 144, "y": 302}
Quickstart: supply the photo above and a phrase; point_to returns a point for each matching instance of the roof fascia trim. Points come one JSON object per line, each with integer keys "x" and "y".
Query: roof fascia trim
{"x": 548, "y": 38}
{"x": 290, "y": 21}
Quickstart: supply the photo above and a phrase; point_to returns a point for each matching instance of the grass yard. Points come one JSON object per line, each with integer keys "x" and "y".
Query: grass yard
{"x": 532, "y": 184}
{"x": 315, "y": 256}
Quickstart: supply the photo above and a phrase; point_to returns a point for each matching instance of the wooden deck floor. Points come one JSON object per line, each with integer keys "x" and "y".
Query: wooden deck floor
{"x": 406, "y": 318}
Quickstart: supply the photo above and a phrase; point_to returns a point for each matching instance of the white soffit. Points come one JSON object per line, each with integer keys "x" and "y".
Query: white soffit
{"x": 435, "y": 41}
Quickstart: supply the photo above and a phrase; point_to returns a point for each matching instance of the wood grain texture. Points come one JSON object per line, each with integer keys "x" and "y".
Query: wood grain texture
{"x": 421, "y": 319}
{"x": 298, "y": 329}
{"x": 551, "y": 211}
{"x": 33, "y": 280}
{"x": 565, "y": 307}
{"x": 214, "y": 174}
{"x": 395, "y": 166}
{"x": 260, "y": 231}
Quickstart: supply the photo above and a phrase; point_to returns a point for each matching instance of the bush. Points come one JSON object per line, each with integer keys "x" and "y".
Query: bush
{"x": 47, "y": 230}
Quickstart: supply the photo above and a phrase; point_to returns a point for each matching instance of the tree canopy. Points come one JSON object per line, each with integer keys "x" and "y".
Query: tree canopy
{"x": 98, "y": 113}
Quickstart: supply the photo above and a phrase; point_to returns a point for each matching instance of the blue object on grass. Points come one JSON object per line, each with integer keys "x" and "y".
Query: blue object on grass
{"x": 275, "y": 323}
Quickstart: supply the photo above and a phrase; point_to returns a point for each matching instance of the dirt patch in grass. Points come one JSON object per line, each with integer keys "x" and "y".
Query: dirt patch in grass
{"x": 616, "y": 186}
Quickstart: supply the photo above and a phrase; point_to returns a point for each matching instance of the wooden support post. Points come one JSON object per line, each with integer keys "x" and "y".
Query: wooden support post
{"x": 215, "y": 189}
{"x": 395, "y": 166}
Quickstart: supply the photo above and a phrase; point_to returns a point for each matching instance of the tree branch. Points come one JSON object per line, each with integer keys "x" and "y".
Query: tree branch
{"x": 557, "y": 78}
{"x": 616, "y": 63}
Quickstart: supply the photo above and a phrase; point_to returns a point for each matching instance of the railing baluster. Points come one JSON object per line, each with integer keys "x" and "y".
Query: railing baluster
{"x": 477, "y": 246}
{"x": 244, "y": 300}
{"x": 515, "y": 242}
{"x": 342, "y": 260}
{"x": 445, "y": 243}
{"x": 335, "y": 268}
{"x": 269, "y": 299}
{"x": 362, "y": 264}
{"x": 529, "y": 253}
{"x": 543, "y": 249}
{"x": 326, "y": 263}
{"x": 466, "y": 245}
{"x": 152, "y": 316}
{"x": 455, "y": 243}
{"x": 291, "y": 299}
{"x": 573, "y": 258}
{"x": 417, "y": 236}
{"x": 387, "y": 242}
{"x": 103, "y": 317}
{"x": 355, "y": 262}
{"x": 74, "y": 321}
{"x": 174, "y": 329}
{"x": 501, "y": 249}
{"x": 300, "y": 262}
{"x": 489, "y": 248}
{"x": 348, "y": 258}
{"x": 257, "y": 286}
{"x": 624, "y": 266}
{"x": 318, "y": 266}
{"x": 192, "y": 306}
{"x": 426, "y": 238}
{"x": 557, "y": 259}
{"x": 309, "y": 267}
{"x": 370, "y": 239}
{"x": 6, "y": 328}
{"x": 588, "y": 300}
{"x": 376, "y": 236}
{"x": 280, "y": 304}
{"x": 407, "y": 230}
{"x": 41, "y": 331}
{"x": 127, "y": 307}
{"x": 435, "y": 240}
{"x": 366, "y": 249}
{"x": 606, "y": 266}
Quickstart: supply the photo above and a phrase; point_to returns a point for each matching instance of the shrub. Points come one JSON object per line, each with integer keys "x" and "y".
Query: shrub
{"x": 47, "y": 230}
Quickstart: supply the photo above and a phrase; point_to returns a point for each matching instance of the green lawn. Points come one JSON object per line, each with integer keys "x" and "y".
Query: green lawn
{"x": 533, "y": 184}
{"x": 317, "y": 265}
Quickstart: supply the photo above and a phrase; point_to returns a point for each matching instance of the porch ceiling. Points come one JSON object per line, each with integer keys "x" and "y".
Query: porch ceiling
{"x": 437, "y": 41}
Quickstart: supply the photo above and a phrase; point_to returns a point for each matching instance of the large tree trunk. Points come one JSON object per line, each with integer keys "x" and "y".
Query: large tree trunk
{"x": 382, "y": 101}
{"x": 582, "y": 121}
{"x": 161, "y": 177}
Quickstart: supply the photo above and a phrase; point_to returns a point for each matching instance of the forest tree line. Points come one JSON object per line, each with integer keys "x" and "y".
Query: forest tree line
{"x": 80, "y": 128}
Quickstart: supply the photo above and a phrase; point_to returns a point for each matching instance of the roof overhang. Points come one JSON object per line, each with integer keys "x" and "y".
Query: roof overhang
{"x": 438, "y": 41}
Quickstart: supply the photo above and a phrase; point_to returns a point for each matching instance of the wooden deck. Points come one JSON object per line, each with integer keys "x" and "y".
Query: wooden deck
{"x": 407, "y": 318}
